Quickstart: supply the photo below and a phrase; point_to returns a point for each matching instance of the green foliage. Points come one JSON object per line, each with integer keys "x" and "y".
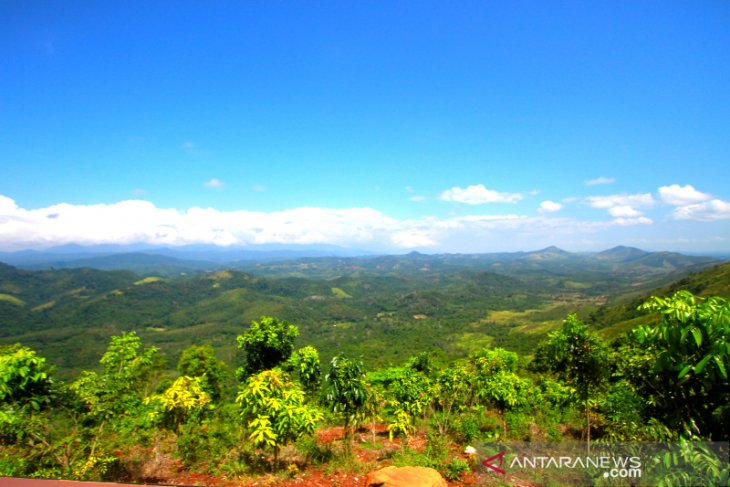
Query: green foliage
{"x": 345, "y": 393}
{"x": 200, "y": 361}
{"x": 496, "y": 381}
{"x": 686, "y": 380}
{"x": 274, "y": 411}
{"x": 689, "y": 463}
{"x": 117, "y": 392}
{"x": 456, "y": 468}
{"x": 25, "y": 391}
{"x": 305, "y": 362}
{"x": 185, "y": 400}
{"x": 24, "y": 377}
{"x": 268, "y": 343}
{"x": 578, "y": 357}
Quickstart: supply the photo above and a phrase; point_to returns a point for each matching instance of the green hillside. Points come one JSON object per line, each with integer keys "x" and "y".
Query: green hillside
{"x": 382, "y": 309}
{"x": 614, "y": 318}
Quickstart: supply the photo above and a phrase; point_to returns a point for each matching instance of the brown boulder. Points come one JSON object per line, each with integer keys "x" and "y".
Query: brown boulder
{"x": 405, "y": 477}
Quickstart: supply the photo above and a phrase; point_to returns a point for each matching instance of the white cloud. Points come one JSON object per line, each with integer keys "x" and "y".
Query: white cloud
{"x": 140, "y": 221}
{"x": 188, "y": 145}
{"x": 621, "y": 211}
{"x": 259, "y": 188}
{"x": 478, "y": 194}
{"x": 624, "y": 208}
{"x": 641, "y": 220}
{"x": 632, "y": 200}
{"x": 677, "y": 195}
{"x": 214, "y": 183}
{"x": 549, "y": 207}
{"x": 712, "y": 210}
{"x": 600, "y": 180}
{"x": 417, "y": 198}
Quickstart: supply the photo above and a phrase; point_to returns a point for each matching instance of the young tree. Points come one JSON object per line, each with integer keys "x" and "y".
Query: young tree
{"x": 114, "y": 397}
{"x": 274, "y": 411}
{"x": 268, "y": 343}
{"x": 345, "y": 393}
{"x": 496, "y": 381}
{"x": 184, "y": 401}
{"x": 200, "y": 361}
{"x": 578, "y": 357}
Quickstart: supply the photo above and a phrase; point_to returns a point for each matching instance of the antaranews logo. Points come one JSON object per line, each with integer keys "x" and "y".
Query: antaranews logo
{"x": 645, "y": 464}
{"x": 489, "y": 462}
{"x": 602, "y": 465}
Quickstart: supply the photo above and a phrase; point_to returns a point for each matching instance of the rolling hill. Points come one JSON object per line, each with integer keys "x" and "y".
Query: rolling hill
{"x": 381, "y": 308}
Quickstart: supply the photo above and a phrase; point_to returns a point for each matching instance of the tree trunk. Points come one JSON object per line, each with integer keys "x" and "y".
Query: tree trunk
{"x": 588, "y": 426}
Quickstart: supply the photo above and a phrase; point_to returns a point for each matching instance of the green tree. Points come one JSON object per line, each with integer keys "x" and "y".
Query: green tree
{"x": 577, "y": 356}
{"x": 496, "y": 381}
{"x": 345, "y": 393}
{"x": 274, "y": 411}
{"x": 305, "y": 362}
{"x": 684, "y": 376}
{"x": 184, "y": 401}
{"x": 114, "y": 398}
{"x": 200, "y": 361}
{"x": 24, "y": 377}
{"x": 268, "y": 343}
{"x": 25, "y": 390}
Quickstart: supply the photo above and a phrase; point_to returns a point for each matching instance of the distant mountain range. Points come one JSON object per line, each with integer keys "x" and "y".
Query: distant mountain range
{"x": 314, "y": 261}
{"x": 146, "y": 260}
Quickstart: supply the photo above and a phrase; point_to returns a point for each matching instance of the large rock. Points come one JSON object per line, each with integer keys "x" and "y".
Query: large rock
{"x": 405, "y": 477}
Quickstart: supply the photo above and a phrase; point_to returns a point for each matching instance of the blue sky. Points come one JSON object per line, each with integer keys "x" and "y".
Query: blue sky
{"x": 387, "y": 126}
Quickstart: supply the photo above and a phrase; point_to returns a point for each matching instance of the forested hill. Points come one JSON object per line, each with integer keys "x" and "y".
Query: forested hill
{"x": 361, "y": 306}
{"x": 615, "y": 318}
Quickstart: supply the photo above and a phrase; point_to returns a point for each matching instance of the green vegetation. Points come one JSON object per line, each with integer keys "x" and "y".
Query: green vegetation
{"x": 489, "y": 358}
{"x": 90, "y": 428}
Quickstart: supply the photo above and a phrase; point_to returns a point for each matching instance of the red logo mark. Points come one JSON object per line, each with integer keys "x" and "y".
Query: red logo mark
{"x": 497, "y": 468}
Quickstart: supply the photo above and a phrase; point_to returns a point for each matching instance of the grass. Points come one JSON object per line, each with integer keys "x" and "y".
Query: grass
{"x": 147, "y": 280}
{"x": 340, "y": 294}
{"x": 12, "y": 299}
{"x": 44, "y": 306}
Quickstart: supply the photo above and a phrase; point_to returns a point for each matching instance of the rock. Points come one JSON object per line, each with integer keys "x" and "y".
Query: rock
{"x": 405, "y": 477}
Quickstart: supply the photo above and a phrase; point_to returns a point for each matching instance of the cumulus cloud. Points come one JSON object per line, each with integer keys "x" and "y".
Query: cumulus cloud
{"x": 478, "y": 194}
{"x": 599, "y": 180}
{"x": 140, "y": 221}
{"x": 712, "y": 210}
{"x": 549, "y": 207}
{"x": 631, "y": 200}
{"x": 692, "y": 204}
{"x": 624, "y": 208}
{"x": 677, "y": 195}
{"x": 417, "y": 198}
{"x": 214, "y": 183}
